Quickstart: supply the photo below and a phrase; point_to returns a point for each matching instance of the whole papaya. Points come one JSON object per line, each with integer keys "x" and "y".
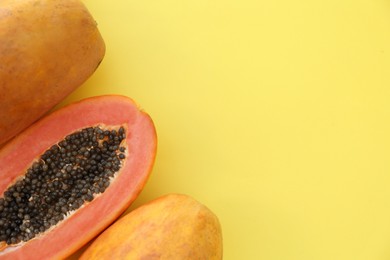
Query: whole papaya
{"x": 48, "y": 48}
{"x": 171, "y": 227}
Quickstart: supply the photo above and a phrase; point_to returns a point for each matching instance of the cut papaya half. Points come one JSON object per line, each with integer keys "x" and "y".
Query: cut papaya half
{"x": 71, "y": 174}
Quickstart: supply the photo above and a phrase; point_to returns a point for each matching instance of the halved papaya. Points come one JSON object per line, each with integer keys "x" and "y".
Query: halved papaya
{"x": 69, "y": 175}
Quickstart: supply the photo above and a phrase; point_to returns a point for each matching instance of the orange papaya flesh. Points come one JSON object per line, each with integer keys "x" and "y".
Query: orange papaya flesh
{"x": 174, "y": 226}
{"x": 22, "y": 159}
{"x": 48, "y": 49}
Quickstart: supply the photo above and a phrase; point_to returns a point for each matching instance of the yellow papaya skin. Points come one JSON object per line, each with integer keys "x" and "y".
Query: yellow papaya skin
{"x": 48, "y": 48}
{"x": 172, "y": 227}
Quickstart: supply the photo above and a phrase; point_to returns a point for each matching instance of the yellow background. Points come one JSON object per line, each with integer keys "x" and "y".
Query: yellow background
{"x": 275, "y": 114}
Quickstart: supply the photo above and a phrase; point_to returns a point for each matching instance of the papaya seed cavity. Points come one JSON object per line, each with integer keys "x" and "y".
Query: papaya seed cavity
{"x": 67, "y": 175}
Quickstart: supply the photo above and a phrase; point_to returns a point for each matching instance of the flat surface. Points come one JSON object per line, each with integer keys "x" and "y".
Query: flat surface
{"x": 275, "y": 114}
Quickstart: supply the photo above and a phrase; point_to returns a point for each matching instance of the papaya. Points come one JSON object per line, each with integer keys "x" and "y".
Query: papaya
{"x": 174, "y": 226}
{"x": 48, "y": 48}
{"x": 71, "y": 174}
